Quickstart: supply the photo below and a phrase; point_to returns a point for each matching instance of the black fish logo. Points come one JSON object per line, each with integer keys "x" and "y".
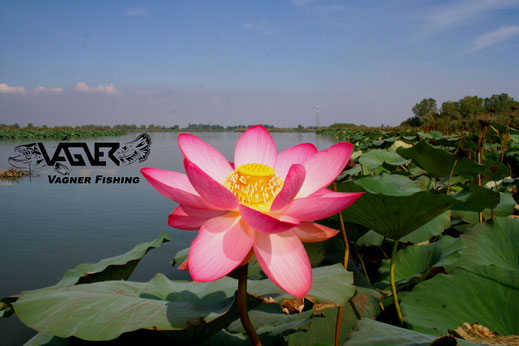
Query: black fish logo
{"x": 29, "y": 157}
{"x": 138, "y": 149}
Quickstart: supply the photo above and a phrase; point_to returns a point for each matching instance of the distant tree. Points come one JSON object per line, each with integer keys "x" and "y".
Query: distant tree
{"x": 413, "y": 121}
{"x": 470, "y": 105}
{"x": 30, "y": 125}
{"x": 450, "y": 109}
{"x": 142, "y": 127}
{"x": 426, "y": 108}
{"x": 501, "y": 103}
{"x": 16, "y": 126}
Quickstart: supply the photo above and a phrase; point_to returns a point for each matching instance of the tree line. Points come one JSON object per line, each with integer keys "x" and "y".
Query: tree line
{"x": 427, "y": 112}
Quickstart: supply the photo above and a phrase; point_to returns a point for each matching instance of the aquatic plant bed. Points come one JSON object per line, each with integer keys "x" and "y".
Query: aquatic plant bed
{"x": 431, "y": 251}
{"x": 60, "y": 133}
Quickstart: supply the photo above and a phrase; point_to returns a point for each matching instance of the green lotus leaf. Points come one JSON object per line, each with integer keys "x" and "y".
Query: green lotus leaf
{"x": 501, "y": 129}
{"x": 476, "y": 198}
{"x": 414, "y": 263}
{"x": 495, "y": 242}
{"x": 271, "y": 325}
{"x": 331, "y": 284}
{"x": 480, "y": 294}
{"x": 495, "y": 171}
{"x": 377, "y": 157}
{"x": 105, "y": 310}
{"x": 113, "y": 268}
{"x": 393, "y": 185}
{"x": 395, "y": 216}
{"x": 180, "y": 257}
{"x": 439, "y": 163}
{"x": 47, "y": 340}
{"x": 371, "y": 238}
{"x": 374, "y": 333}
{"x": 432, "y": 228}
{"x": 364, "y": 304}
{"x": 505, "y": 207}
{"x": 394, "y": 209}
{"x": 383, "y": 143}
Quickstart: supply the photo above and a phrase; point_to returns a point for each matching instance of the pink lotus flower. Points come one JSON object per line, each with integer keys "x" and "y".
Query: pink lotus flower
{"x": 265, "y": 206}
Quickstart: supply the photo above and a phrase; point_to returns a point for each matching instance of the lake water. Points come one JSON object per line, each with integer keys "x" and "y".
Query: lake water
{"x": 46, "y": 228}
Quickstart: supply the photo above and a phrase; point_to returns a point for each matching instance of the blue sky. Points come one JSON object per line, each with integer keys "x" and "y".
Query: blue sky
{"x": 246, "y": 62}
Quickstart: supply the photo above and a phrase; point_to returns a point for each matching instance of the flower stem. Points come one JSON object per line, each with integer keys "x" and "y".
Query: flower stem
{"x": 505, "y": 140}
{"x": 346, "y": 257}
{"x": 242, "y": 305}
{"x": 450, "y": 176}
{"x": 362, "y": 263}
{"x": 393, "y": 286}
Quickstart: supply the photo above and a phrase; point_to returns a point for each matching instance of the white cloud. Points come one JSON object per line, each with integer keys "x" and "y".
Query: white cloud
{"x": 464, "y": 10}
{"x": 135, "y": 11}
{"x": 105, "y": 89}
{"x": 7, "y": 89}
{"x": 494, "y": 37}
{"x": 40, "y": 90}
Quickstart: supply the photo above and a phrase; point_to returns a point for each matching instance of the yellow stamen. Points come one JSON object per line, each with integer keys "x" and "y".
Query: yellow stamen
{"x": 256, "y": 185}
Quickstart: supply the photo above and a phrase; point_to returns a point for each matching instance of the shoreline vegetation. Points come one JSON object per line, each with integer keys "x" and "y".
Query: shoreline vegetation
{"x": 14, "y": 131}
{"x": 13, "y": 174}
{"x": 452, "y": 117}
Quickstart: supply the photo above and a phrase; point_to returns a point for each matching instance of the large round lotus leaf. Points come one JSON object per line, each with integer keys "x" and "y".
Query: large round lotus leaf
{"x": 374, "y": 333}
{"x": 494, "y": 171}
{"x": 494, "y": 242}
{"x": 105, "y": 310}
{"x": 505, "y": 207}
{"x": 432, "y": 228}
{"x": 113, "y": 268}
{"x": 413, "y": 263}
{"x": 393, "y": 216}
{"x": 486, "y": 295}
{"x": 476, "y": 198}
{"x": 377, "y": 157}
{"x": 392, "y": 208}
{"x": 439, "y": 163}
{"x": 393, "y": 185}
